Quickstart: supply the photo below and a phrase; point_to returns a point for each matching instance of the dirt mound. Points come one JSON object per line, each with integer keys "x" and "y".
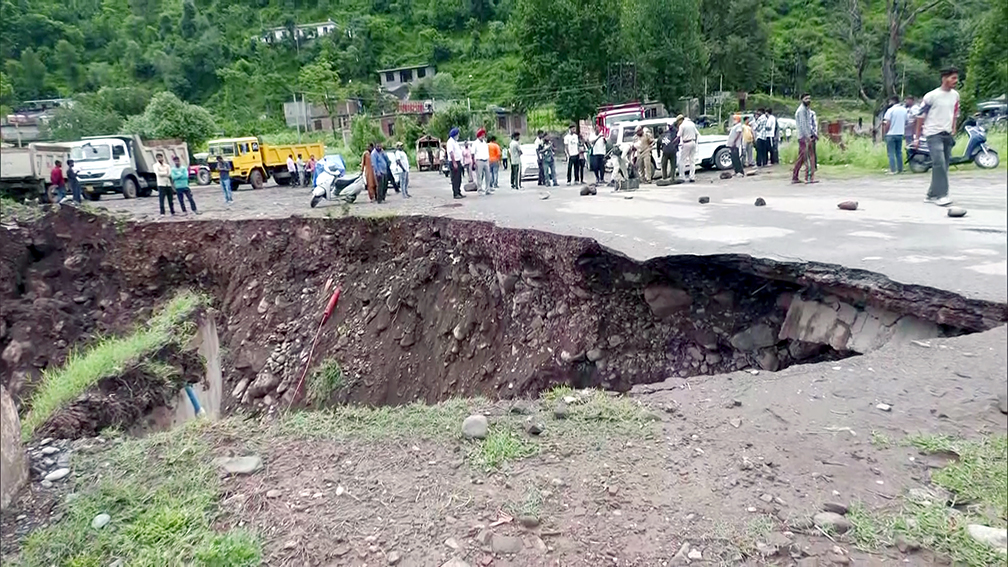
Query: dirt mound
{"x": 434, "y": 308}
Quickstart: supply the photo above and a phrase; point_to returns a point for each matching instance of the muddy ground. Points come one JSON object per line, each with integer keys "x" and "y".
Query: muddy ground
{"x": 749, "y": 438}
{"x": 430, "y": 308}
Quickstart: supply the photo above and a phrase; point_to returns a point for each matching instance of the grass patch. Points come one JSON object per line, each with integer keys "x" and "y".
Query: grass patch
{"x": 324, "y": 381}
{"x": 978, "y": 479}
{"x": 12, "y": 212}
{"x": 161, "y": 493}
{"x": 435, "y": 422}
{"x": 110, "y": 356}
{"x": 501, "y": 445}
{"x": 599, "y": 412}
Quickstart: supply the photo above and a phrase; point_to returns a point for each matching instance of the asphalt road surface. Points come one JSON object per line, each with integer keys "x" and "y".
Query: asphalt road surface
{"x": 893, "y": 231}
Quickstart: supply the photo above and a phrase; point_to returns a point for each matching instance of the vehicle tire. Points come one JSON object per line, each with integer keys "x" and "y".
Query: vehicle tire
{"x": 315, "y": 200}
{"x": 255, "y": 179}
{"x": 203, "y": 177}
{"x": 50, "y": 193}
{"x": 722, "y": 159}
{"x": 129, "y": 188}
{"x": 92, "y": 196}
{"x": 987, "y": 160}
{"x": 919, "y": 164}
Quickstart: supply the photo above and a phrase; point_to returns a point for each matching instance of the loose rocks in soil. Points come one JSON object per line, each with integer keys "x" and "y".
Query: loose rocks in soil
{"x": 434, "y": 308}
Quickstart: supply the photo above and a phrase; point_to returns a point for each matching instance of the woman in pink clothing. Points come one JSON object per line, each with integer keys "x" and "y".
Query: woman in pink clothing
{"x": 468, "y": 160}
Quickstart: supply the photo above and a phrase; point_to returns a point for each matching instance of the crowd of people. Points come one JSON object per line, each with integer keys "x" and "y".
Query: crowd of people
{"x": 382, "y": 168}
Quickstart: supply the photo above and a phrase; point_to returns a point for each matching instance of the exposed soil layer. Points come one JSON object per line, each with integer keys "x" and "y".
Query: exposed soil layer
{"x": 121, "y": 401}
{"x": 431, "y": 307}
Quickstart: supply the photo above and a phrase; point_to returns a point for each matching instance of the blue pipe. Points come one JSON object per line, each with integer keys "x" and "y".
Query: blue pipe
{"x": 195, "y": 402}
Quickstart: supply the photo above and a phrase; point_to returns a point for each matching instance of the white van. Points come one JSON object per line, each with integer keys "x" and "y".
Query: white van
{"x": 712, "y": 151}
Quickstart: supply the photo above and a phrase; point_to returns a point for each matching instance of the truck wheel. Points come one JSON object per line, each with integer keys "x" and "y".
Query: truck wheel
{"x": 722, "y": 159}
{"x": 203, "y": 177}
{"x": 256, "y": 179}
{"x": 93, "y": 196}
{"x": 50, "y": 194}
{"x": 129, "y": 188}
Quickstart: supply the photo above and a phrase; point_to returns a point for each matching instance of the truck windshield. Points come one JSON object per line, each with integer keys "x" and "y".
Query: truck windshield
{"x": 225, "y": 150}
{"x": 88, "y": 152}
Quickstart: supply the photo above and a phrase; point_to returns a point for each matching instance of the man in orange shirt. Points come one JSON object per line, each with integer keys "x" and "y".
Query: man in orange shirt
{"x": 495, "y": 160}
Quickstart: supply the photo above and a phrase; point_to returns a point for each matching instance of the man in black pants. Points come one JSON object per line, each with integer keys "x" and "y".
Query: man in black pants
{"x": 539, "y": 157}
{"x": 669, "y": 147}
{"x": 454, "y": 155}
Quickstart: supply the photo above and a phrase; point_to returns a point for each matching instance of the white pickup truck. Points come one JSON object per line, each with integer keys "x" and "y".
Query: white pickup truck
{"x": 712, "y": 151}
{"x": 122, "y": 164}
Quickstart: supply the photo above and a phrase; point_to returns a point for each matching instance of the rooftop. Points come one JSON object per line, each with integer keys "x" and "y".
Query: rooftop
{"x": 410, "y": 67}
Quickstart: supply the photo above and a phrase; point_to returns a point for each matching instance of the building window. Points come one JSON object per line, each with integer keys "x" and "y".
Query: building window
{"x": 318, "y": 124}
{"x": 405, "y": 76}
{"x": 421, "y": 72}
{"x": 391, "y": 129}
{"x": 502, "y": 123}
{"x": 390, "y": 77}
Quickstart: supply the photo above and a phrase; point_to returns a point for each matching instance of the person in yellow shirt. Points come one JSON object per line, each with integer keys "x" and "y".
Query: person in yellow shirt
{"x": 495, "y": 160}
{"x": 748, "y": 142}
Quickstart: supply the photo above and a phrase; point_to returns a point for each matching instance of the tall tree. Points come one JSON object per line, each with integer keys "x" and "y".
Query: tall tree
{"x": 321, "y": 85}
{"x": 987, "y": 71}
{"x": 900, "y": 15}
{"x": 566, "y": 47}
{"x": 737, "y": 42}
{"x": 663, "y": 37}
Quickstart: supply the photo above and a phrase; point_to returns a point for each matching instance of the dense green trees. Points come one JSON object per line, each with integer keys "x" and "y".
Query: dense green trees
{"x": 525, "y": 52}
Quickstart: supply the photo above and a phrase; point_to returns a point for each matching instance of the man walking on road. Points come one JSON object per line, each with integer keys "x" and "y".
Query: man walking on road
{"x": 539, "y": 141}
{"x": 773, "y": 137}
{"x": 688, "y": 135}
{"x": 735, "y": 142}
{"x": 292, "y": 169}
{"x": 548, "y": 163}
{"x": 454, "y": 154}
{"x": 224, "y": 170}
{"x": 806, "y": 139}
{"x": 380, "y": 167}
{"x": 572, "y": 143}
{"x": 162, "y": 174}
{"x": 514, "y": 156}
{"x": 937, "y": 124}
{"x": 894, "y": 126}
{"x": 180, "y": 181}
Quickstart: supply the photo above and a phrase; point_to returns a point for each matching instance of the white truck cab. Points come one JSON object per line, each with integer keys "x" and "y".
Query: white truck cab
{"x": 121, "y": 164}
{"x": 712, "y": 151}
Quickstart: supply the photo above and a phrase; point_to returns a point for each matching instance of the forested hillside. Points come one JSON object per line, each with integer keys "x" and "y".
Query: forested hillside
{"x": 207, "y": 51}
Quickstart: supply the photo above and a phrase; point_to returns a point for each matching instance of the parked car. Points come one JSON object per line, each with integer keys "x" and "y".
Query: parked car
{"x": 712, "y": 151}
{"x": 529, "y": 162}
{"x": 199, "y": 171}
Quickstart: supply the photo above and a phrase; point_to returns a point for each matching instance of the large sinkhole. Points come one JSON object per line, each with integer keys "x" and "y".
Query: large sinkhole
{"x": 434, "y": 308}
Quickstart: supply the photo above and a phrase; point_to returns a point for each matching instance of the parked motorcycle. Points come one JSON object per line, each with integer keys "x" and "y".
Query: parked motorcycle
{"x": 332, "y": 183}
{"x": 977, "y": 151}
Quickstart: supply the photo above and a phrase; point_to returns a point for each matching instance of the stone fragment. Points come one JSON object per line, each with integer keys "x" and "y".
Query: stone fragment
{"x": 956, "y": 212}
{"x": 760, "y": 202}
{"x": 475, "y": 427}
{"x": 848, "y": 205}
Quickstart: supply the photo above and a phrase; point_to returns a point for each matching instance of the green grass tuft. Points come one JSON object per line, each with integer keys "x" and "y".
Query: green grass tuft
{"x": 324, "y": 381}
{"x": 110, "y": 356}
{"x": 978, "y": 479}
{"x": 161, "y": 493}
{"x": 501, "y": 446}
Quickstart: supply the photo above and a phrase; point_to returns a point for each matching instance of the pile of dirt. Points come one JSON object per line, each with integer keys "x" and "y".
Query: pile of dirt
{"x": 431, "y": 307}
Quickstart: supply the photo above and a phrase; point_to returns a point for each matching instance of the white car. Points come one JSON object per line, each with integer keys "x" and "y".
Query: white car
{"x": 712, "y": 151}
{"x": 529, "y": 162}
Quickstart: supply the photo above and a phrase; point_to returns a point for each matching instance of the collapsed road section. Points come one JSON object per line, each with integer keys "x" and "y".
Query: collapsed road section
{"x": 434, "y": 308}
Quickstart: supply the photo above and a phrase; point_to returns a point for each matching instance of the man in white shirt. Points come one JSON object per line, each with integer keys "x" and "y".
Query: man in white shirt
{"x": 399, "y": 164}
{"x": 291, "y": 169}
{"x": 762, "y": 138}
{"x": 572, "y": 147}
{"x": 773, "y": 138}
{"x": 454, "y": 155}
{"x": 598, "y": 153}
{"x": 894, "y": 126}
{"x": 735, "y": 146}
{"x": 937, "y": 123}
{"x": 481, "y": 153}
{"x": 688, "y": 135}
{"x": 514, "y": 156}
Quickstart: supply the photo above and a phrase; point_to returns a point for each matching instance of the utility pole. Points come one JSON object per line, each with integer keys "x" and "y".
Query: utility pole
{"x": 297, "y": 118}
{"x": 771, "y": 77}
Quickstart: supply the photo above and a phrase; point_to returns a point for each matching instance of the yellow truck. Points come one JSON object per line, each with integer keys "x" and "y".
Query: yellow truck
{"x": 254, "y": 163}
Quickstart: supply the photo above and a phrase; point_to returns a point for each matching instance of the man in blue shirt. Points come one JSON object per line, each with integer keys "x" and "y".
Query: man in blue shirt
{"x": 380, "y": 165}
{"x": 894, "y": 126}
{"x": 180, "y": 180}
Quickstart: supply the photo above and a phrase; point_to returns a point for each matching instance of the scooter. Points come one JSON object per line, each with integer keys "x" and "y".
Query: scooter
{"x": 331, "y": 187}
{"x": 977, "y": 151}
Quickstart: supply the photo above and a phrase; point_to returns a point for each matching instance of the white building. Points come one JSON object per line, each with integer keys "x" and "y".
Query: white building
{"x": 303, "y": 31}
{"x": 394, "y": 80}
